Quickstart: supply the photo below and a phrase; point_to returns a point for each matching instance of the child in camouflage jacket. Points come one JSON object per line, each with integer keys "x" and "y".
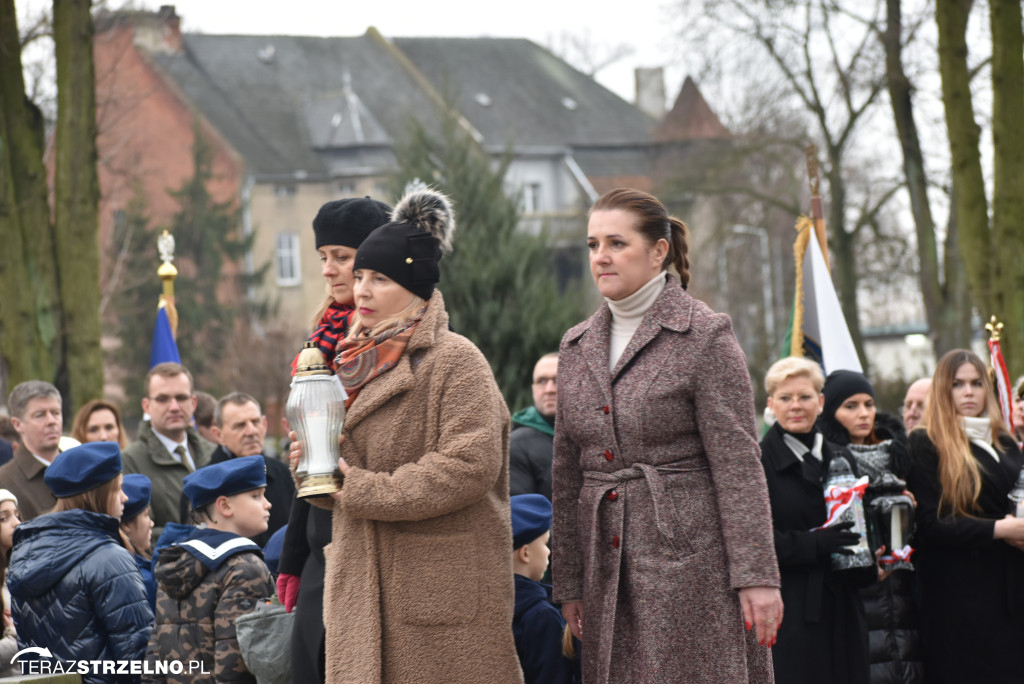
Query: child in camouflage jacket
{"x": 213, "y": 575}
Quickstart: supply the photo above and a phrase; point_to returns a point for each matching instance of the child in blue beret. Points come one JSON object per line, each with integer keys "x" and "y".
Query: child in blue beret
{"x": 137, "y": 526}
{"x": 538, "y": 626}
{"x": 74, "y": 586}
{"x": 213, "y": 575}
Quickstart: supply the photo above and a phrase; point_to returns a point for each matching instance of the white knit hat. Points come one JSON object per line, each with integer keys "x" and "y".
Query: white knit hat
{"x": 8, "y": 495}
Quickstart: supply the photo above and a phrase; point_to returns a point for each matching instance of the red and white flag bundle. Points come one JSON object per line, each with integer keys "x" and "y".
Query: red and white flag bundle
{"x": 1003, "y": 389}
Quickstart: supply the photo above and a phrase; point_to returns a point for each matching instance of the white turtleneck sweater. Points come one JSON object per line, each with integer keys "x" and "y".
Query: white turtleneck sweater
{"x": 628, "y": 312}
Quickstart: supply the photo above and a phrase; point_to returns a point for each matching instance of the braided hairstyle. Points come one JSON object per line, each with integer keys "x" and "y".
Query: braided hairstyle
{"x": 653, "y": 223}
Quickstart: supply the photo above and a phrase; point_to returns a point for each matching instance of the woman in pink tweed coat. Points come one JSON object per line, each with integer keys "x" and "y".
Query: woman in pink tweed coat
{"x": 663, "y": 553}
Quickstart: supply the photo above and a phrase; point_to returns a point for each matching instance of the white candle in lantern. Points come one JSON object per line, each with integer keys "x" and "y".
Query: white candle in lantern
{"x": 896, "y": 529}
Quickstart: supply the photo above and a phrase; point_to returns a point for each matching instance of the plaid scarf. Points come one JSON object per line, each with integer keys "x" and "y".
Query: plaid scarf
{"x": 363, "y": 358}
{"x": 331, "y": 331}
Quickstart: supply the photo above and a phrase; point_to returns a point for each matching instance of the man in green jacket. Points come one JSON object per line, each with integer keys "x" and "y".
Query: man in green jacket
{"x": 531, "y": 443}
{"x": 168, "y": 447}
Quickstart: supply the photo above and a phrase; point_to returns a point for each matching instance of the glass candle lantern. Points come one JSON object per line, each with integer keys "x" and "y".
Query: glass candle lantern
{"x": 1017, "y": 497}
{"x": 891, "y": 521}
{"x": 316, "y": 411}
{"x": 844, "y": 499}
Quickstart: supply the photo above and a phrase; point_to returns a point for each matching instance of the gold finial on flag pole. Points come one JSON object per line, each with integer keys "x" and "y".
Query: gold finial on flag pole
{"x": 167, "y": 273}
{"x": 995, "y": 329}
{"x": 817, "y": 211}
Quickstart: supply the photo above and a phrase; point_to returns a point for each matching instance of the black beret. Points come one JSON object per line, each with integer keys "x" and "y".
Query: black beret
{"x": 347, "y": 222}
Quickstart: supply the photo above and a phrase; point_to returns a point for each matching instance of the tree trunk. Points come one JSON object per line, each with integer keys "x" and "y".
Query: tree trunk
{"x": 950, "y": 327}
{"x": 1008, "y": 161}
{"x": 76, "y": 193}
{"x": 29, "y": 309}
{"x": 956, "y": 316}
{"x": 969, "y": 201}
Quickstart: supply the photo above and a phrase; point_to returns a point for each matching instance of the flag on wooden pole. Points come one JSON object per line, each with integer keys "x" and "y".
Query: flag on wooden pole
{"x": 817, "y": 329}
{"x": 1001, "y": 377}
{"x": 164, "y": 346}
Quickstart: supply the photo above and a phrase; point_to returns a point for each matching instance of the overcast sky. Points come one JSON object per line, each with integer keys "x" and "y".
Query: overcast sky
{"x": 646, "y": 26}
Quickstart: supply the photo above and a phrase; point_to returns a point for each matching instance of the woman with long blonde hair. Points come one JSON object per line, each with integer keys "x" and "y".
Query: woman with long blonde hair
{"x": 970, "y": 551}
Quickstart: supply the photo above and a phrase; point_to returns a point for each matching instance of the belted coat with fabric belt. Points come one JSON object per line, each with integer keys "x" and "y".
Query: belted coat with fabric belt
{"x": 660, "y": 506}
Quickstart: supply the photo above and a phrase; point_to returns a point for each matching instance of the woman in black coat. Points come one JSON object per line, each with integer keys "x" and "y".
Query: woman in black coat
{"x": 823, "y": 638}
{"x": 970, "y": 560}
{"x": 878, "y": 445}
{"x": 340, "y": 228}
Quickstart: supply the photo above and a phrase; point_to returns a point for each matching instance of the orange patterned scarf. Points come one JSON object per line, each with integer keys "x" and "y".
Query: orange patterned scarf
{"x": 363, "y": 358}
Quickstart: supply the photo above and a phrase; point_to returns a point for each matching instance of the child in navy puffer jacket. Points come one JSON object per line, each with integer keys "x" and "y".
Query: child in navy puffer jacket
{"x": 75, "y": 589}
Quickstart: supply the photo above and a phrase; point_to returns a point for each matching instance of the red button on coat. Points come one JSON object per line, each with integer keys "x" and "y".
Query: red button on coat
{"x": 613, "y": 495}
{"x": 609, "y": 455}
{"x": 607, "y": 410}
{"x": 615, "y": 541}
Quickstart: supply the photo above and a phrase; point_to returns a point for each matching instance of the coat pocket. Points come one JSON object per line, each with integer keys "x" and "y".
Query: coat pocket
{"x": 436, "y": 581}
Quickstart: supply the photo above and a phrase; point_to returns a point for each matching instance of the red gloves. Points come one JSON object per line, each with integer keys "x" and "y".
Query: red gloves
{"x": 288, "y": 590}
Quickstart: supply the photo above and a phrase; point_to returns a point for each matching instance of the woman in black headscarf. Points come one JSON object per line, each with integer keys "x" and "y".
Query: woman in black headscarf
{"x": 878, "y": 445}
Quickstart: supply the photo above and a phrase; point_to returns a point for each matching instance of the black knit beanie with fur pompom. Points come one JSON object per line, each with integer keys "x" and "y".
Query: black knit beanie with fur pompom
{"x": 408, "y": 249}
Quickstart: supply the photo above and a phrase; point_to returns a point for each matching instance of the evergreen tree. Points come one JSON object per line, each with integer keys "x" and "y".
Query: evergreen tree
{"x": 129, "y": 305}
{"x": 499, "y": 283}
{"x": 208, "y": 237}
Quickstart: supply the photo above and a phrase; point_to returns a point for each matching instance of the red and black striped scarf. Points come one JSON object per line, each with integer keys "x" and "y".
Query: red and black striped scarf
{"x": 332, "y": 329}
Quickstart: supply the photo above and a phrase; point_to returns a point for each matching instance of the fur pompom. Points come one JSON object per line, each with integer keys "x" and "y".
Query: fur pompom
{"x": 428, "y": 210}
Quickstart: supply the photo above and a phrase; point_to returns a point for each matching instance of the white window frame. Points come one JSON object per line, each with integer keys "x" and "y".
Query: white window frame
{"x": 532, "y": 198}
{"x": 287, "y": 261}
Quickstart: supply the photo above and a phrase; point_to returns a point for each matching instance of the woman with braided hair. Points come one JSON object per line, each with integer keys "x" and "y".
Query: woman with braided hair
{"x": 662, "y": 539}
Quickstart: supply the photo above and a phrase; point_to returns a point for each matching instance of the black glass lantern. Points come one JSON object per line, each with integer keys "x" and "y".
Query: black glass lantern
{"x": 890, "y": 513}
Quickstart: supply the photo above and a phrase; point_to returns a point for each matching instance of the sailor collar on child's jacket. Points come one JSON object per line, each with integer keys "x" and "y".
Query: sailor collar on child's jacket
{"x": 213, "y": 547}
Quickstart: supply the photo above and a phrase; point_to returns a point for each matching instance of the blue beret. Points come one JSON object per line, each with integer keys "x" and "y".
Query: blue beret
{"x": 233, "y": 476}
{"x": 82, "y": 468}
{"x": 138, "y": 488}
{"x": 531, "y": 518}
